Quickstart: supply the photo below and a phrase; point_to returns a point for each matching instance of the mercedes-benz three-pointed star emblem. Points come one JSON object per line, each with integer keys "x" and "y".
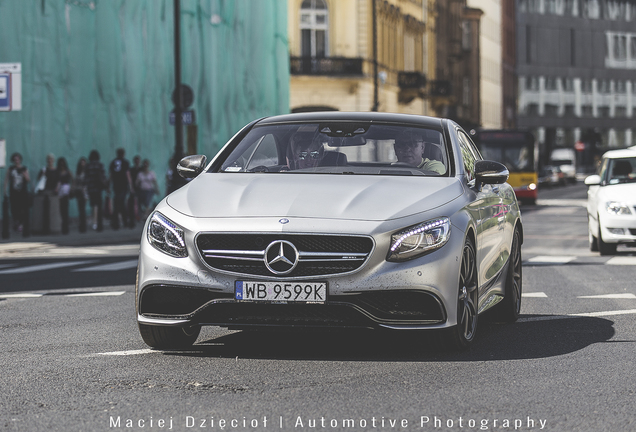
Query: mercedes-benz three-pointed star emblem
{"x": 281, "y": 257}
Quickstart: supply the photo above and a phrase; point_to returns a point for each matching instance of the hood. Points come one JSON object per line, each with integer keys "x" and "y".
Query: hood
{"x": 223, "y": 195}
{"x": 624, "y": 192}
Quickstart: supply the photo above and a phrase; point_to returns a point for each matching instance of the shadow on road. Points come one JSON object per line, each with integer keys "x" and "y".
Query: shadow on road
{"x": 545, "y": 337}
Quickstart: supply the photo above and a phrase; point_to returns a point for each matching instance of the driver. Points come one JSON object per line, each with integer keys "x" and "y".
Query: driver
{"x": 409, "y": 149}
{"x": 304, "y": 151}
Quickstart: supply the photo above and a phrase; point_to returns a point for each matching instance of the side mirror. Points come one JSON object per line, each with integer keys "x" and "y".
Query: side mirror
{"x": 191, "y": 166}
{"x": 593, "y": 180}
{"x": 490, "y": 172}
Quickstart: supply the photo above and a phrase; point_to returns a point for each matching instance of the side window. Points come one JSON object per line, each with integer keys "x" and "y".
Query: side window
{"x": 468, "y": 155}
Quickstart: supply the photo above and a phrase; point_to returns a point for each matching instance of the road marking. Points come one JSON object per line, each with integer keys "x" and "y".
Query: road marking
{"x": 549, "y": 259}
{"x": 608, "y": 313}
{"x": 562, "y": 202}
{"x": 122, "y": 265}
{"x": 41, "y": 267}
{"x": 97, "y": 294}
{"x": 25, "y": 295}
{"x": 127, "y": 353}
{"x": 622, "y": 261}
{"x": 579, "y": 315}
{"x": 534, "y": 294}
{"x": 610, "y": 296}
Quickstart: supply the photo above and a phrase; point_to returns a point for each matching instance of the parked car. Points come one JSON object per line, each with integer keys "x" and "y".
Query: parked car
{"x": 333, "y": 220}
{"x": 611, "y": 202}
{"x": 550, "y": 176}
{"x": 565, "y": 159}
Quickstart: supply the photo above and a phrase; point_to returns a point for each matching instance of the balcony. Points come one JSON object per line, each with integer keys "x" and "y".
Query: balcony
{"x": 411, "y": 80}
{"x": 333, "y": 66}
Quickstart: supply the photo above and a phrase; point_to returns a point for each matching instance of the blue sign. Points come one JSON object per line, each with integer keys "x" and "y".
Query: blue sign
{"x": 187, "y": 117}
{"x": 5, "y": 91}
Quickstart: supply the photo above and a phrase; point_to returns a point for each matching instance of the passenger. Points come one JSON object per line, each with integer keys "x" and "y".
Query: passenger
{"x": 409, "y": 149}
{"x": 305, "y": 152}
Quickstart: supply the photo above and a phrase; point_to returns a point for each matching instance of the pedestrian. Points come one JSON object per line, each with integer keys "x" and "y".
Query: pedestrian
{"x": 147, "y": 186}
{"x": 80, "y": 192}
{"x": 133, "y": 200}
{"x": 50, "y": 175}
{"x": 96, "y": 182}
{"x": 119, "y": 178}
{"x": 16, "y": 187}
{"x": 63, "y": 190}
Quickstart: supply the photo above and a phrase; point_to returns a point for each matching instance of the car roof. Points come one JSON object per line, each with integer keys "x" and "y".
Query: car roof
{"x": 418, "y": 120}
{"x": 623, "y": 153}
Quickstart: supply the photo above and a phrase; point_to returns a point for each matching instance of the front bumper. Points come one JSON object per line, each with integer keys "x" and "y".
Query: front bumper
{"x": 421, "y": 293}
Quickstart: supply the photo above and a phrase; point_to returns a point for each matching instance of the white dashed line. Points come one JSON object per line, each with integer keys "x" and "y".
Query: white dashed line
{"x": 610, "y": 296}
{"x": 97, "y": 294}
{"x": 534, "y": 294}
{"x": 126, "y": 353}
{"x": 608, "y": 313}
{"x": 25, "y": 295}
{"x": 549, "y": 259}
{"x": 622, "y": 261}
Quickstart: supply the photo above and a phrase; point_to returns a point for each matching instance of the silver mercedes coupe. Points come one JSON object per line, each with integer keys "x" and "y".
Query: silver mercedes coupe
{"x": 333, "y": 220}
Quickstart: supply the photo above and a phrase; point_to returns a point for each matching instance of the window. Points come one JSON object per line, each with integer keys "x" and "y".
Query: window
{"x": 467, "y": 39}
{"x": 568, "y": 84}
{"x": 469, "y": 155}
{"x": 620, "y": 86}
{"x": 551, "y": 110}
{"x": 620, "y": 111}
{"x": 604, "y": 111}
{"x": 550, "y": 83}
{"x": 314, "y": 28}
{"x": 603, "y": 86}
{"x": 587, "y": 111}
{"x": 532, "y": 110}
{"x": 569, "y": 110}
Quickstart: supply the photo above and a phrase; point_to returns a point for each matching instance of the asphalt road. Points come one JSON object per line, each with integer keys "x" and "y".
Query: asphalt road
{"x": 72, "y": 358}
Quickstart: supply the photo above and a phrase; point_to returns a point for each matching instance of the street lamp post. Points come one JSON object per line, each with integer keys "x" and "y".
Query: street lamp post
{"x": 178, "y": 99}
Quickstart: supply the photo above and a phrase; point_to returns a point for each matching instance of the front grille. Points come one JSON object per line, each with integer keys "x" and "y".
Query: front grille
{"x": 318, "y": 255}
{"x": 168, "y": 300}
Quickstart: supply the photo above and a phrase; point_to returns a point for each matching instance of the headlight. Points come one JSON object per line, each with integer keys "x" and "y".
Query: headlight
{"x": 166, "y": 236}
{"x": 419, "y": 239}
{"x": 617, "y": 208}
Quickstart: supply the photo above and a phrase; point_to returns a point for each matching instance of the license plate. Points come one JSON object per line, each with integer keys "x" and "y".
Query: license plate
{"x": 267, "y": 291}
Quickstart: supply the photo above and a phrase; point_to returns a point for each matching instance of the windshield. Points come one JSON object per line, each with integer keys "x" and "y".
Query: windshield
{"x": 622, "y": 170}
{"x": 340, "y": 148}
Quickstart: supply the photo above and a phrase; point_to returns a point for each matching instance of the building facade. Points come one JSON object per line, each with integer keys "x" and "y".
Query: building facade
{"x": 576, "y": 61}
{"x": 456, "y": 92}
{"x": 491, "y": 66}
{"x": 359, "y": 55}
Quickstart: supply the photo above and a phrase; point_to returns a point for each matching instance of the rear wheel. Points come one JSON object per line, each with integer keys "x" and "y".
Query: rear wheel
{"x": 169, "y": 337}
{"x": 509, "y": 308}
{"x": 462, "y": 335}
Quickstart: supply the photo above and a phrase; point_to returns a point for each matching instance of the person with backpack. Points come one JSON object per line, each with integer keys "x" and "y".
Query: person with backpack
{"x": 119, "y": 179}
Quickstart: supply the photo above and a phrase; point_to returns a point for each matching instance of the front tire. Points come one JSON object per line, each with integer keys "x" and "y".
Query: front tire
{"x": 169, "y": 337}
{"x": 605, "y": 248}
{"x": 462, "y": 335}
{"x": 509, "y": 308}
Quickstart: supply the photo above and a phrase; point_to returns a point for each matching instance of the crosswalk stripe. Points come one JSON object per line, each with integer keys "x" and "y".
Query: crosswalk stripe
{"x": 122, "y": 265}
{"x": 41, "y": 267}
{"x": 610, "y": 296}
